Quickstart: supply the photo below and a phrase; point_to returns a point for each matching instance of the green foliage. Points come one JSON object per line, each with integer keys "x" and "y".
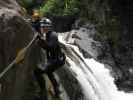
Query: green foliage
{"x": 71, "y": 7}
{"x": 52, "y": 7}
{"x": 61, "y": 7}
{"x": 27, "y": 3}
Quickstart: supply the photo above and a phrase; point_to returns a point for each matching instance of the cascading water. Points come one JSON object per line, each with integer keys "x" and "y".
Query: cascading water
{"x": 94, "y": 78}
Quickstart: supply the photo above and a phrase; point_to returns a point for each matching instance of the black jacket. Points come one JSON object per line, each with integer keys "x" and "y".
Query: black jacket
{"x": 52, "y": 46}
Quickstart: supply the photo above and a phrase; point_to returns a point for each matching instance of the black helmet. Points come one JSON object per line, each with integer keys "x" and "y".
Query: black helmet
{"x": 45, "y": 22}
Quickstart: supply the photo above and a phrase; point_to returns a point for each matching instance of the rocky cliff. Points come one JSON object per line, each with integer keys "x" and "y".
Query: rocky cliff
{"x": 105, "y": 35}
{"x": 15, "y": 34}
{"x": 113, "y": 23}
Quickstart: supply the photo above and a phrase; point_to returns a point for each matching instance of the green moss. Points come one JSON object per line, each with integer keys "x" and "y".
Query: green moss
{"x": 60, "y": 7}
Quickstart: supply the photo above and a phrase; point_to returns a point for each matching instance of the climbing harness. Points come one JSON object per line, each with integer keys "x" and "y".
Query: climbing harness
{"x": 20, "y": 56}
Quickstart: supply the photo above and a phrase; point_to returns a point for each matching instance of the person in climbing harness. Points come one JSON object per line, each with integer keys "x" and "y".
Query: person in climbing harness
{"x": 55, "y": 56}
{"x": 36, "y": 21}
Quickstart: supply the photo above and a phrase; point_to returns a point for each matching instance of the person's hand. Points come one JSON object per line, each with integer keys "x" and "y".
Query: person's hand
{"x": 39, "y": 36}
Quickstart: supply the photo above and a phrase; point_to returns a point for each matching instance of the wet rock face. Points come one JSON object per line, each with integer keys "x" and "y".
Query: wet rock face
{"x": 15, "y": 34}
{"x": 70, "y": 84}
{"x": 92, "y": 46}
{"x": 83, "y": 37}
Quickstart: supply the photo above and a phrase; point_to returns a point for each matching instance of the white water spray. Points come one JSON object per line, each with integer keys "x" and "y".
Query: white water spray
{"x": 95, "y": 79}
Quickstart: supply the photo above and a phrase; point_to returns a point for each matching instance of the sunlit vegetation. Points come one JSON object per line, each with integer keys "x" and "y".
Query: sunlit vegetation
{"x": 61, "y": 7}
{"x": 53, "y": 7}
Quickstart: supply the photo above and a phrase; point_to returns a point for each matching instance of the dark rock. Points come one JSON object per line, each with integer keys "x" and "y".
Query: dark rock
{"x": 76, "y": 36}
{"x": 70, "y": 84}
{"x": 62, "y": 23}
{"x": 15, "y": 34}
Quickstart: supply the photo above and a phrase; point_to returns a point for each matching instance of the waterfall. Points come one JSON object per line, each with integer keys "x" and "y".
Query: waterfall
{"x": 95, "y": 80}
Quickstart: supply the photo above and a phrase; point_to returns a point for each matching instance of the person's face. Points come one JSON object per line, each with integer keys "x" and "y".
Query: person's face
{"x": 44, "y": 30}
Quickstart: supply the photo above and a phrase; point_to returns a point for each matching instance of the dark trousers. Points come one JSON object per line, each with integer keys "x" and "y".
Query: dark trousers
{"x": 49, "y": 68}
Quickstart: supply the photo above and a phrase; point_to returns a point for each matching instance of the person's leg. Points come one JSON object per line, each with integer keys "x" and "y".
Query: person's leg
{"x": 54, "y": 83}
{"x": 49, "y": 69}
{"x": 52, "y": 66}
{"x": 38, "y": 73}
{"x": 40, "y": 80}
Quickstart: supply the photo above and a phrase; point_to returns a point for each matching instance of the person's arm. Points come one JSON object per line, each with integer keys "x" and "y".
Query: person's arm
{"x": 42, "y": 43}
{"x": 53, "y": 39}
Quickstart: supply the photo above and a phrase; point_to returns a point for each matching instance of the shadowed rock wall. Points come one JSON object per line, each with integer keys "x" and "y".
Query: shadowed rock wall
{"x": 15, "y": 33}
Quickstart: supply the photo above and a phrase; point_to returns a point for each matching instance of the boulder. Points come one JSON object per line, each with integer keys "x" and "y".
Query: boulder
{"x": 15, "y": 34}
